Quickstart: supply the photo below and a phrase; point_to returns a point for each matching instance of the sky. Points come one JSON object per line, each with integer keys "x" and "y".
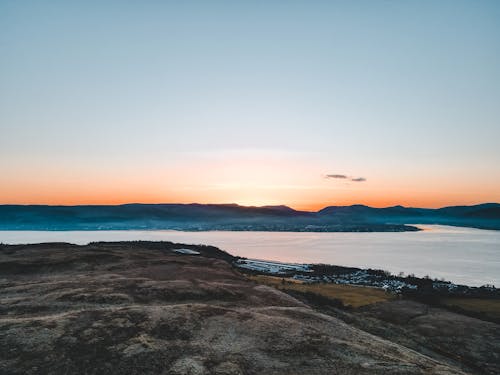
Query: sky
{"x": 303, "y": 103}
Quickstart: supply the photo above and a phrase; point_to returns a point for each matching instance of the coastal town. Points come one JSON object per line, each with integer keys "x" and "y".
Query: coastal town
{"x": 396, "y": 284}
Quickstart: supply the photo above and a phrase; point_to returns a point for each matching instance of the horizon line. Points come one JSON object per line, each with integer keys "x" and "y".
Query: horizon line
{"x": 237, "y": 204}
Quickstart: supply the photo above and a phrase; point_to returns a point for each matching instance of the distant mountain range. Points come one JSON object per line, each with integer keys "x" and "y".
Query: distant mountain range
{"x": 234, "y": 217}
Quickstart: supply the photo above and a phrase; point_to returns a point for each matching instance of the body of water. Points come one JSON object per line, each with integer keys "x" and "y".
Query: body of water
{"x": 462, "y": 255}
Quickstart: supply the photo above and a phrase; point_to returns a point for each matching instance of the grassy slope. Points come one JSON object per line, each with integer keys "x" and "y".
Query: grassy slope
{"x": 489, "y": 307}
{"x": 350, "y": 295}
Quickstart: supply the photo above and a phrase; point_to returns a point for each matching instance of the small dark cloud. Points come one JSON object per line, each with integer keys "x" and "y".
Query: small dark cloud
{"x": 345, "y": 177}
{"x": 358, "y": 179}
{"x": 335, "y": 176}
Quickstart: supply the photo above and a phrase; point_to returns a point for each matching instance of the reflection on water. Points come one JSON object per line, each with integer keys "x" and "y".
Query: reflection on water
{"x": 462, "y": 255}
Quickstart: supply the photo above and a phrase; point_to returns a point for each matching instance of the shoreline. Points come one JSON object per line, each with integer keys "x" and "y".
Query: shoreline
{"x": 378, "y": 278}
{"x": 320, "y": 272}
{"x": 440, "y": 252}
{"x": 126, "y": 305}
{"x": 419, "y": 228}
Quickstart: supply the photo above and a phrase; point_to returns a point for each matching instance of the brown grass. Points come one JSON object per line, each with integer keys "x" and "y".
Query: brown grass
{"x": 350, "y": 295}
{"x": 490, "y": 307}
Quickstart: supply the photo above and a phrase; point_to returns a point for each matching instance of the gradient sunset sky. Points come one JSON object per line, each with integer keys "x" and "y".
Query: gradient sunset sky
{"x": 303, "y": 103}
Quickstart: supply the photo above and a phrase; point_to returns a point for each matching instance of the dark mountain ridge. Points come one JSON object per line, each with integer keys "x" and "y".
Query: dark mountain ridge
{"x": 235, "y": 217}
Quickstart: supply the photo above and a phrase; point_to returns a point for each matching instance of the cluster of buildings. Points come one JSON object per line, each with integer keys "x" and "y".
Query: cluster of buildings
{"x": 305, "y": 273}
{"x": 340, "y": 275}
{"x": 274, "y": 268}
{"x": 361, "y": 277}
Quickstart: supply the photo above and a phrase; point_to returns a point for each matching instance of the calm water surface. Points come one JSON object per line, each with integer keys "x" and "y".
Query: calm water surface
{"x": 462, "y": 255}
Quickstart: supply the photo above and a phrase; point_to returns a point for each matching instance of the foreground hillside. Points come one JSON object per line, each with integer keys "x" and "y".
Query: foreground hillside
{"x": 141, "y": 308}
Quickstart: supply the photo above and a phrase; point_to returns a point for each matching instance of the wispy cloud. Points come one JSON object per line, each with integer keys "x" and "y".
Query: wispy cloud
{"x": 345, "y": 177}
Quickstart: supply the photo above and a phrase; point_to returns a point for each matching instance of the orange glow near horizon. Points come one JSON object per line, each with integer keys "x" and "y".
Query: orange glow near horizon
{"x": 297, "y": 199}
{"x": 248, "y": 180}
{"x": 312, "y": 207}
{"x": 311, "y": 105}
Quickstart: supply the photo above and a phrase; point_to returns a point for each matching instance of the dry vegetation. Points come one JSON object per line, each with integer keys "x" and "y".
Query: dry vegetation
{"x": 350, "y": 295}
{"x": 140, "y": 308}
{"x": 489, "y": 307}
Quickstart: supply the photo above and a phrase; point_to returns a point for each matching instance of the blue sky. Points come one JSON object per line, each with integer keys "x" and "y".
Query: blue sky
{"x": 405, "y": 94}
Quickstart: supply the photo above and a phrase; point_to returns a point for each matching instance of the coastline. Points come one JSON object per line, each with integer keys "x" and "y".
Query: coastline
{"x": 453, "y": 255}
{"x": 145, "y": 307}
